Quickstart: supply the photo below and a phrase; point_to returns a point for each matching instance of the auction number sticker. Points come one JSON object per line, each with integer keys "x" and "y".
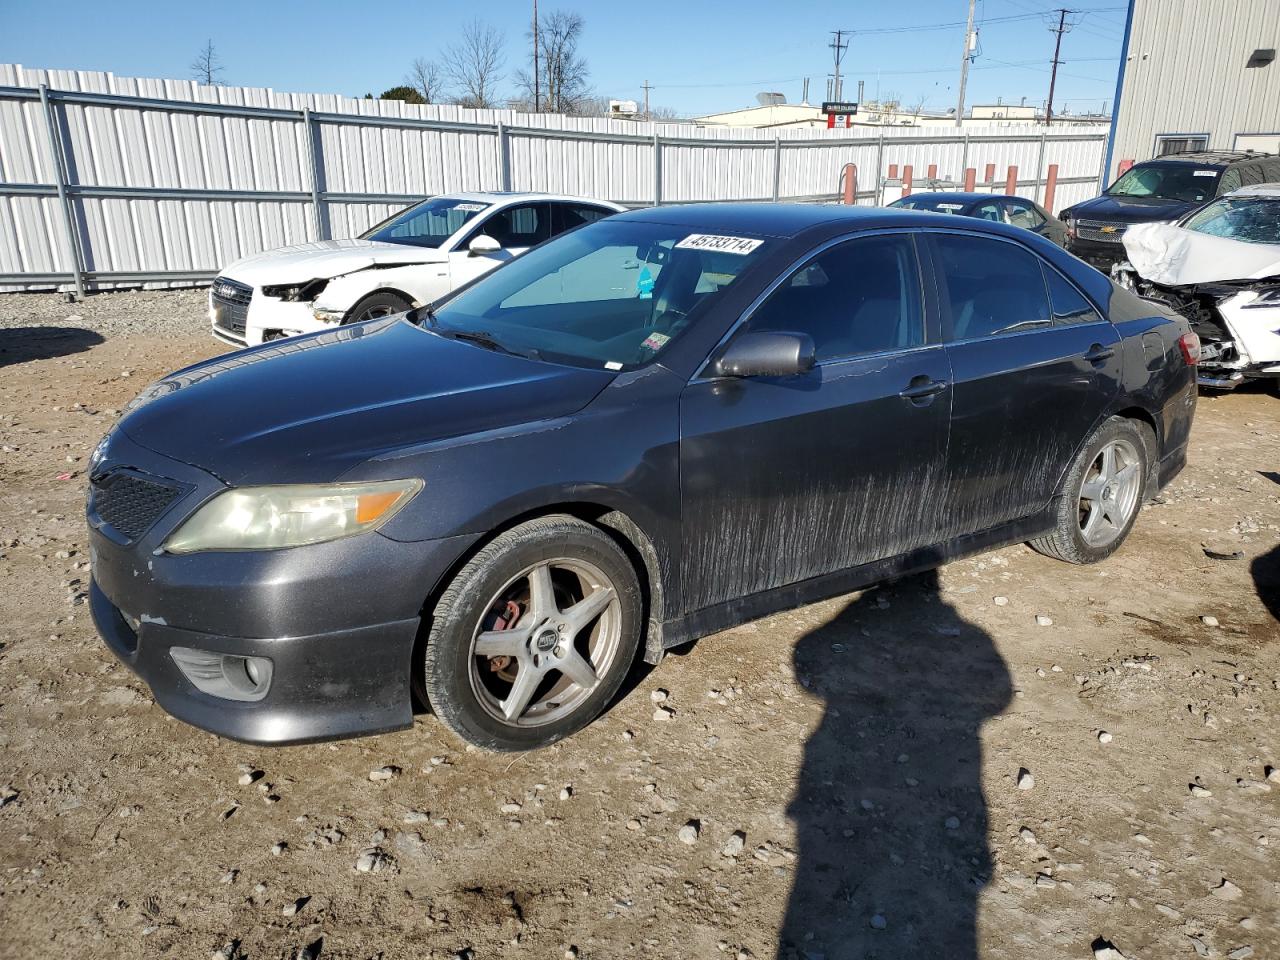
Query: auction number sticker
{"x": 470, "y": 207}
{"x": 710, "y": 241}
{"x": 951, "y": 206}
{"x": 1204, "y": 173}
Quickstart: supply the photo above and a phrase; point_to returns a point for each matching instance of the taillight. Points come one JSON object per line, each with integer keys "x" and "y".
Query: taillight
{"x": 1189, "y": 344}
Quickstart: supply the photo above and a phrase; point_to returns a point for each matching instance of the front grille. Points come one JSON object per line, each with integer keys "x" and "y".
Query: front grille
{"x": 1100, "y": 231}
{"x": 231, "y": 303}
{"x": 130, "y": 503}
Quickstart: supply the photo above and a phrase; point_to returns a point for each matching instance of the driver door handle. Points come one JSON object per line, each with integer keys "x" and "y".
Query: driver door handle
{"x": 921, "y": 388}
{"x": 1097, "y": 353}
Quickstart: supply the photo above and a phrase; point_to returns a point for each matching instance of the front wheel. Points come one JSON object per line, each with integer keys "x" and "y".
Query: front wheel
{"x": 375, "y": 305}
{"x": 534, "y": 636}
{"x": 1101, "y": 495}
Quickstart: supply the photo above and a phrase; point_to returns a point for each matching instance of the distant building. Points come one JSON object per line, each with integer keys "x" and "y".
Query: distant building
{"x": 872, "y": 114}
{"x": 1197, "y": 75}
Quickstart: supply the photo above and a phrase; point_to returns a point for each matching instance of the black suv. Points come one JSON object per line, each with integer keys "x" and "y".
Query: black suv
{"x": 1166, "y": 188}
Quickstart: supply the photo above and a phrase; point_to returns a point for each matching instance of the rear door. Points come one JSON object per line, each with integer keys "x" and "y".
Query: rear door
{"x": 516, "y": 228}
{"x": 1031, "y": 376}
{"x": 783, "y": 479}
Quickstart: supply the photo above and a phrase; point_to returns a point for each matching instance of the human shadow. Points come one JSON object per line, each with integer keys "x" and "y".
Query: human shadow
{"x": 1266, "y": 580}
{"x": 22, "y": 344}
{"x": 889, "y": 811}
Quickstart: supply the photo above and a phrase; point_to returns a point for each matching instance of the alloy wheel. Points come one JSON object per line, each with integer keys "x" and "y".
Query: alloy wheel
{"x": 1109, "y": 493}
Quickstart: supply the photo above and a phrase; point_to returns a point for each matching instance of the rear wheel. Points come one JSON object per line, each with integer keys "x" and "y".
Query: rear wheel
{"x": 534, "y": 636}
{"x": 1101, "y": 495}
{"x": 380, "y": 304}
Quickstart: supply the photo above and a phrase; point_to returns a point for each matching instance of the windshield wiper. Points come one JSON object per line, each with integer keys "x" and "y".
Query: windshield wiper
{"x": 487, "y": 340}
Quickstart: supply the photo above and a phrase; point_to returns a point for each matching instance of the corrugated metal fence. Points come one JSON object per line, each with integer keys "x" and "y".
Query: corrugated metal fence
{"x": 109, "y": 181}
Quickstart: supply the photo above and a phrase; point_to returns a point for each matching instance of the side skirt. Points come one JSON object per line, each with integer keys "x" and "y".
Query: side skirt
{"x": 731, "y": 613}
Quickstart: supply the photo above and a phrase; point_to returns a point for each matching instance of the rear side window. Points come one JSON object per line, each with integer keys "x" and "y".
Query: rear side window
{"x": 1023, "y": 214}
{"x": 861, "y": 296}
{"x": 989, "y": 287}
{"x": 521, "y": 226}
{"x": 570, "y": 215}
{"x": 1069, "y": 304}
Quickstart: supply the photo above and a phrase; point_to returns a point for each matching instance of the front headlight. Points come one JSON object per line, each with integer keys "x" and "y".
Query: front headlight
{"x": 269, "y": 518}
{"x": 293, "y": 292}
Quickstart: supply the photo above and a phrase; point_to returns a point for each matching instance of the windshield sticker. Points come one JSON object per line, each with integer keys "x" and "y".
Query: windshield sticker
{"x": 655, "y": 341}
{"x": 1204, "y": 173}
{"x": 644, "y": 284}
{"x": 951, "y": 206}
{"x": 710, "y": 241}
{"x": 613, "y": 365}
{"x": 470, "y": 207}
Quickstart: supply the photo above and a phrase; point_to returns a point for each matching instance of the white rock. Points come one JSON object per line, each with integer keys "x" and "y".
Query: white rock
{"x": 1199, "y": 791}
{"x": 1209, "y": 621}
{"x": 1025, "y": 780}
{"x": 659, "y": 695}
{"x": 1043, "y": 621}
{"x": 278, "y": 848}
{"x": 1226, "y": 890}
{"x": 417, "y": 816}
{"x": 382, "y": 773}
{"x": 689, "y": 832}
{"x": 1240, "y": 953}
{"x": 566, "y": 793}
{"x": 510, "y": 808}
{"x": 1027, "y": 835}
{"x": 735, "y": 844}
{"x": 1104, "y": 737}
{"x": 1105, "y": 950}
{"x": 1001, "y": 601}
{"x": 663, "y": 713}
{"x": 1273, "y": 774}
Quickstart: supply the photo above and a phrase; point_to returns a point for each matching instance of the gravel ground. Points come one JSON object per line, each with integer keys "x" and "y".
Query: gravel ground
{"x": 1009, "y": 758}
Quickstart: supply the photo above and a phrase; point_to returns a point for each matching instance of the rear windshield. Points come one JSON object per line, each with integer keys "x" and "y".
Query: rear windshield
{"x": 610, "y": 295}
{"x": 1251, "y": 219}
{"x": 932, "y": 204}
{"x": 1168, "y": 181}
{"x": 426, "y": 224}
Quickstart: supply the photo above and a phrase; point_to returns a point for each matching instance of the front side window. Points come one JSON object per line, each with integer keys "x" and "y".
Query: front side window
{"x": 524, "y": 225}
{"x": 612, "y": 295}
{"x": 861, "y": 296}
{"x": 990, "y": 210}
{"x": 990, "y": 287}
{"x": 1251, "y": 219}
{"x": 570, "y": 215}
{"x": 1023, "y": 214}
{"x": 426, "y": 224}
{"x": 1167, "y": 181}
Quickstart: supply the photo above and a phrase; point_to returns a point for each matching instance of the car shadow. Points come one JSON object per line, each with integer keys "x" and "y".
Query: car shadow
{"x": 889, "y": 811}
{"x": 1266, "y": 580}
{"x": 23, "y": 344}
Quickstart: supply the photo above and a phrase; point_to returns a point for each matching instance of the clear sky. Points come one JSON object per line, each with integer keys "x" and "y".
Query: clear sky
{"x": 700, "y": 56}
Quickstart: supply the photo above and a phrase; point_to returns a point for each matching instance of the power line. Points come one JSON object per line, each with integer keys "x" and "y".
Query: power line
{"x": 837, "y": 50}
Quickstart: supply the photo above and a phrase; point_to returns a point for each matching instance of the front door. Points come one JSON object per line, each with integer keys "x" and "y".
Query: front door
{"x": 1032, "y": 376}
{"x": 783, "y": 479}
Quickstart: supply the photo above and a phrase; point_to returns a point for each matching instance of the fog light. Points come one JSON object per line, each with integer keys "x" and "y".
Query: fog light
{"x": 223, "y": 674}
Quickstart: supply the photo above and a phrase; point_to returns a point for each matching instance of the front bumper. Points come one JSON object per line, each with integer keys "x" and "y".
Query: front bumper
{"x": 268, "y": 318}
{"x": 1101, "y": 256}
{"x": 337, "y": 620}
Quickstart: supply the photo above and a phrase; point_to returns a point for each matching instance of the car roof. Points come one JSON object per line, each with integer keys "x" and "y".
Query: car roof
{"x": 521, "y": 196}
{"x": 958, "y": 195}
{"x": 1257, "y": 190}
{"x": 1225, "y": 157}
{"x": 781, "y": 220}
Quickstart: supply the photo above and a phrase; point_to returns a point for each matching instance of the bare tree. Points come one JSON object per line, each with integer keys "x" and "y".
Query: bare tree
{"x": 562, "y": 70}
{"x": 207, "y": 67}
{"x": 474, "y": 65}
{"x": 426, "y": 77}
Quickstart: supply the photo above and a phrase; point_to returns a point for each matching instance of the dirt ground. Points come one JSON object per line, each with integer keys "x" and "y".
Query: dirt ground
{"x": 918, "y": 771}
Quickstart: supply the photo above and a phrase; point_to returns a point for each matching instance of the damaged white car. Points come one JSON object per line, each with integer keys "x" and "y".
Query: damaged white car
{"x": 412, "y": 258}
{"x": 1220, "y": 268}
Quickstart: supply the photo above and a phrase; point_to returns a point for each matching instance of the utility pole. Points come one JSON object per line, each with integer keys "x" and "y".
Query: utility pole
{"x": 536, "y": 78}
{"x": 1060, "y": 29}
{"x": 964, "y": 65}
{"x": 838, "y": 46}
{"x": 647, "y": 88}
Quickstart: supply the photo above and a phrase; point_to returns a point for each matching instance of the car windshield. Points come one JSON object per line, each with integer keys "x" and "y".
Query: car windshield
{"x": 932, "y": 204}
{"x": 1167, "y": 181}
{"x": 610, "y": 295}
{"x": 1251, "y": 219}
{"x": 426, "y": 224}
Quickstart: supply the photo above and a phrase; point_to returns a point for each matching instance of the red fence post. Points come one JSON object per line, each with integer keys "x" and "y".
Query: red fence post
{"x": 1011, "y": 182}
{"x": 1123, "y": 168}
{"x": 990, "y": 175}
{"x": 850, "y": 178}
{"x": 906, "y": 180}
{"x": 1050, "y": 185}
{"x": 970, "y": 179}
{"x": 893, "y": 171}
{"x": 933, "y": 171}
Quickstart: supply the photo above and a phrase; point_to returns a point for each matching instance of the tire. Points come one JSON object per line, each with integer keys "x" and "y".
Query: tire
{"x": 497, "y": 620}
{"x": 1088, "y": 495}
{"x": 380, "y": 304}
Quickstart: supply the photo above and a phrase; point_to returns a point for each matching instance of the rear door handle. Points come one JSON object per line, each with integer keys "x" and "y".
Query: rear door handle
{"x": 921, "y": 388}
{"x": 1097, "y": 353}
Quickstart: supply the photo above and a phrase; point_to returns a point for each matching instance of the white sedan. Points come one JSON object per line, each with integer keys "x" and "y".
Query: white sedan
{"x": 412, "y": 258}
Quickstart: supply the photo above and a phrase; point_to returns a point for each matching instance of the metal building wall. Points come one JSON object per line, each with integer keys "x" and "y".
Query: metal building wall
{"x": 127, "y": 181}
{"x": 1185, "y": 73}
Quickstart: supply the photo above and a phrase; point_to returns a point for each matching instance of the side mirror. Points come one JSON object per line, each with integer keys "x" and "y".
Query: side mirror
{"x": 483, "y": 244}
{"x": 765, "y": 355}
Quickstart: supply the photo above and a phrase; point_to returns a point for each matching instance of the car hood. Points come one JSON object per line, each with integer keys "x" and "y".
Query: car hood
{"x": 1172, "y": 256}
{"x": 1131, "y": 209}
{"x": 324, "y": 259}
{"x": 307, "y": 409}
